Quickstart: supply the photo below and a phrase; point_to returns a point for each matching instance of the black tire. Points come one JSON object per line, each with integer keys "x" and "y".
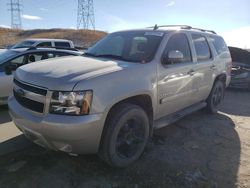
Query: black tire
{"x": 215, "y": 97}
{"x": 125, "y": 135}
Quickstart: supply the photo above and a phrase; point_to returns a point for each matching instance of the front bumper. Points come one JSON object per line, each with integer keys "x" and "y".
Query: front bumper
{"x": 72, "y": 134}
{"x": 242, "y": 83}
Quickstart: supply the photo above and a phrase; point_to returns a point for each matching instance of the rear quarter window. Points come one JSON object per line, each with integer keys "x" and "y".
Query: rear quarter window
{"x": 62, "y": 44}
{"x": 219, "y": 44}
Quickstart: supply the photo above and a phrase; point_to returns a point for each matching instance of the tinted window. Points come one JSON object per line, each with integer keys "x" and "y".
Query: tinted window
{"x": 201, "y": 47}
{"x": 219, "y": 44}
{"x": 62, "y": 44}
{"x": 44, "y": 44}
{"x": 179, "y": 42}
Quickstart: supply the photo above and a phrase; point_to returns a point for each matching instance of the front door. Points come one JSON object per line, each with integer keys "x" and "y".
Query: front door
{"x": 175, "y": 79}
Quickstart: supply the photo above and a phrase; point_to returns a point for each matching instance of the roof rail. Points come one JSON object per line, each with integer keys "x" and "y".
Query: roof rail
{"x": 181, "y": 27}
{"x": 205, "y": 30}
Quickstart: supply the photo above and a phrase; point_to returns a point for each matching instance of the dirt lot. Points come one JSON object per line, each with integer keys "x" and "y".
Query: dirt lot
{"x": 199, "y": 151}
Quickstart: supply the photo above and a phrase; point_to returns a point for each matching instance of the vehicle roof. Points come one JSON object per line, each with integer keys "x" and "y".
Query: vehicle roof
{"x": 47, "y": 39}
{"x": 171, "y": 29}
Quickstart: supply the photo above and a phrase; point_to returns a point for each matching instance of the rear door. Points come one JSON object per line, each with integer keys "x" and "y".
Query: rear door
{"x": 203, "y": 69}
{"x": 175, "y": 80}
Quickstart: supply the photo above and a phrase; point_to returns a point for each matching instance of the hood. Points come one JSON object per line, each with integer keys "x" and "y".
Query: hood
{"x": 64, "y": 73}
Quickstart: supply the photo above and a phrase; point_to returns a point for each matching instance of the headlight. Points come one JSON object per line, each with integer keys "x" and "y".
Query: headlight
{"x": 71, "y": 103}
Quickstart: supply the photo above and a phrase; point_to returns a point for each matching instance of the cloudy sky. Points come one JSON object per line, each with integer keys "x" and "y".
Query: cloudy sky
{"x": 230, "y": 18}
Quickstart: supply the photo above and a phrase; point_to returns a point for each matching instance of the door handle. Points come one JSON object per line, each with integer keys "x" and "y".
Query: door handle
{"x": 191, "y": 72}
{"x": 213, "y": 67}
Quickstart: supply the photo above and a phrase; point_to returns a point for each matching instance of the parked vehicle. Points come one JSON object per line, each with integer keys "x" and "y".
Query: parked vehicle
{"x": 126, "y": 85}
{"x": 10, "y": 60}
{"x": 241, "y": 68}
{"x": 240, "y": 75}
{"x": 44, "y": 43}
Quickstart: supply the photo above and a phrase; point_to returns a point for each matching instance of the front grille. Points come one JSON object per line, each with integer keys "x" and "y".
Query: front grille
{"x": 30, "y": 104}
{"x": 31, "y": 88}
{"x": 31, "y": 97}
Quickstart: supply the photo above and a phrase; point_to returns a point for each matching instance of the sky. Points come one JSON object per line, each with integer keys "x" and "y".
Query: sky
{"x": 229, "y": 18}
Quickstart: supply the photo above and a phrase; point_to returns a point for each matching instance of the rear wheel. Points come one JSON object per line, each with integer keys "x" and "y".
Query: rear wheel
{"x": 216, "y": 96}
{"x": 125, "y": 135}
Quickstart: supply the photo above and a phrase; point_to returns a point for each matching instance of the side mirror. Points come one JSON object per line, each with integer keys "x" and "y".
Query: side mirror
{"x": 8, "y": 70}
{"x": 173, "y": 57}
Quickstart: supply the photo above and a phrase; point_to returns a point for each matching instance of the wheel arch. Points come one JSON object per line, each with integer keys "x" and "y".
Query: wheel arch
{"x": 142, "y": 100}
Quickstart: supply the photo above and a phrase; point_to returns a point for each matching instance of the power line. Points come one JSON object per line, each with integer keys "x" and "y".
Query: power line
{"x": 15, "y": 9}
{"x": 85, "y": 14}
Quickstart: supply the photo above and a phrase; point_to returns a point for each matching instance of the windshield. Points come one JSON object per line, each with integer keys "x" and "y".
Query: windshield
{"x": 5, "y": 55}
{"x": 24, "y": 44}
{"x": 127, "y": 46}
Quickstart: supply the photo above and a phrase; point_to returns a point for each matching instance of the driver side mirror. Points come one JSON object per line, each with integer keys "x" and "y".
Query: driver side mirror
{"x": 8, "y": 70}
{"x": 172, "y": 57}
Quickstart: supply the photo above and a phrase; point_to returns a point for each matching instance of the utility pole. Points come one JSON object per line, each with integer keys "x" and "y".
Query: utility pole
{"x": 15, "y": 9}
{"x": 85, "y": 14}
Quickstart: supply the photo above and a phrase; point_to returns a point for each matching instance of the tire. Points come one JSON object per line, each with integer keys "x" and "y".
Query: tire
{"x": 125, "y": 135}
{"x": 215, "y": 97}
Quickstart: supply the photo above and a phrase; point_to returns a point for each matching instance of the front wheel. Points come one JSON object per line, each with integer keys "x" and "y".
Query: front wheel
{"x": 125, "y": 135}
{"x": 216, "y": 96}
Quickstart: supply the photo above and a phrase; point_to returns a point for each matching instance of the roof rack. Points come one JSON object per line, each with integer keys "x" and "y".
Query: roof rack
{"x": 181, "y": 27}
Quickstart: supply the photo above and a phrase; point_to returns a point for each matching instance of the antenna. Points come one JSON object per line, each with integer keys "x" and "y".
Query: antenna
{"x": 85, "y": 14}
{"x": 16, "y": 22}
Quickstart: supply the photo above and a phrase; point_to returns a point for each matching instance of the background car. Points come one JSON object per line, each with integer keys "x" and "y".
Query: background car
{"x": 44, "y": 43}
{"x": 11, "y": 59}
{"x": 240, "y": 75}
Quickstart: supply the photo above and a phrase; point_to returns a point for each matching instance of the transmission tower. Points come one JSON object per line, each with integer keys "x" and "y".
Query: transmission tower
{"x": 85, "y": 14}
{"x": 15, "y": 9}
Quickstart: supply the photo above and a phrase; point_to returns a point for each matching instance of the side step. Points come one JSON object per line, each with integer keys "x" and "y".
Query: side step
{"x": 169, "y": 119}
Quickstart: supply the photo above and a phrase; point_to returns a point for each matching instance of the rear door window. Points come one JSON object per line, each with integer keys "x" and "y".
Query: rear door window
{"x": 44, "y": 44}
{"x": 201, "y": 46}
{"x": 62, "y": 44}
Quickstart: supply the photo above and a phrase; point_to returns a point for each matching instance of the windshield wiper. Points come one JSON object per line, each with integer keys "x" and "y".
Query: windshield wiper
{"x": 112, "y": 56}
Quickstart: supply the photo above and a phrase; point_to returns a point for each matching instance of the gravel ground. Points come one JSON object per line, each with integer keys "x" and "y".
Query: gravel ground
{"x": 200, "y": 150}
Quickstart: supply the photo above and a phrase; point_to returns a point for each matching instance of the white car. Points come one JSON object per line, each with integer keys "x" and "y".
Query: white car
{"x": 44, "y": 43}
{"x": 11, "y": 59}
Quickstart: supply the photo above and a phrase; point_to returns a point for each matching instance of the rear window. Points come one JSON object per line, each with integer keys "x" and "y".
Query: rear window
{"x": 219, "y": 44}
{"x": 62, "y": 44}
{"x": 201, "y": 47}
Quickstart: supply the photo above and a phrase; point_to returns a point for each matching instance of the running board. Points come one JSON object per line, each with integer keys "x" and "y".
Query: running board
{"x": 169, "y": 119}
